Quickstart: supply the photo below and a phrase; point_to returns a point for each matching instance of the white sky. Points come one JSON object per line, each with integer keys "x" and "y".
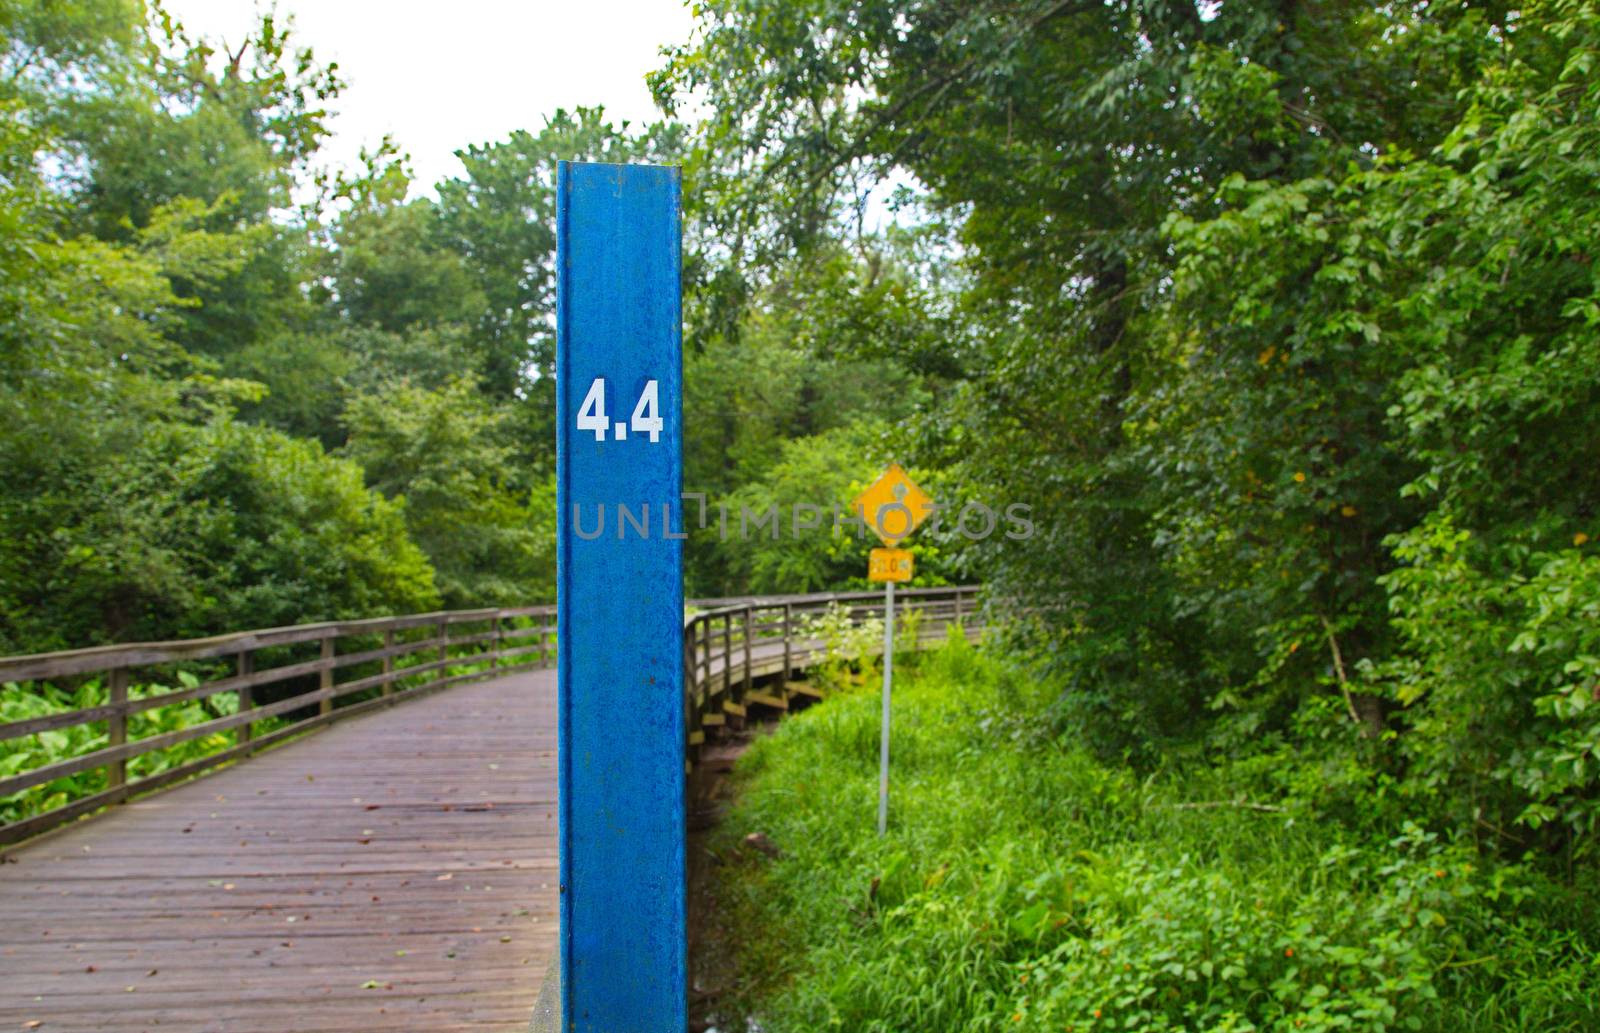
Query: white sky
{"x": 441, "y": 74}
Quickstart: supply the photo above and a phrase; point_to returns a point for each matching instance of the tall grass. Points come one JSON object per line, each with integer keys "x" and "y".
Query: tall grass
{"x": 1026, "y": 886}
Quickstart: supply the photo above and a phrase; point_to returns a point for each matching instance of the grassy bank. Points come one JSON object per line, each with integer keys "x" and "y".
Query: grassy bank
{"x": 1025, "y": 885}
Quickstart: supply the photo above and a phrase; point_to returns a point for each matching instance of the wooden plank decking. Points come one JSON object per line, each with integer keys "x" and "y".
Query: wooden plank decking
{"x": 394, "y": 872}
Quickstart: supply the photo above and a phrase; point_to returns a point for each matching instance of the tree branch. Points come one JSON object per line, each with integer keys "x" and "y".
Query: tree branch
{"x": 1338, "y": 670}
{"x": 1211, "y": 805}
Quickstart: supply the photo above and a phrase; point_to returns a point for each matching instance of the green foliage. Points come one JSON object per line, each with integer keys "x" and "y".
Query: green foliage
{"x": 1500, "y": 676}
{"x": 490, "y": 540}
{"x": 1025, "y": 885}
{"x": 1257, "y": 307}
{"x": 500, "y": 218}
{"x": 848, "y": 645}
{"x": 165, "y": 298}
{"x": 200, "y": 528}
{"x": 1374, "y": 431}
{"x": 803, "y": 404}
{"x": 389, "y": 273}
{"x": 30, "y": 752}
{"x": 808, "y": 479}
{"x": 1280, "y": 318}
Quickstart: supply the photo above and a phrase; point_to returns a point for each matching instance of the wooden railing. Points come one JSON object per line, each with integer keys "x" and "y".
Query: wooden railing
{"x": 260, "y": 687}
{"x": 286, "y": 678}
{"x": 741, "y": 653}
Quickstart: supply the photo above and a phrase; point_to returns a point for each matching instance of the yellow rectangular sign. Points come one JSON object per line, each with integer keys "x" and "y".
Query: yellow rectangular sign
{"x": 889, "y": 565}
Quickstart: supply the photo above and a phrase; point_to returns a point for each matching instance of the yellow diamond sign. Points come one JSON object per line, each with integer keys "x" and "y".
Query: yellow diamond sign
{"x": 893, "y": 507}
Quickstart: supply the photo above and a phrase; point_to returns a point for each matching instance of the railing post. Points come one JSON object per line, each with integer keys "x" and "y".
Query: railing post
{"x": 744, "y": 693}
{"x": 703, "y": 684}
{"x": 689, "y": 663}
{"x": 788, "y": 654}
{"x": 388, "y": 662}
{"x": 444, "y": 648}
{"x": 245, "y": 665}
{"x": 958, "y": 607}
{"x": 727, "y": 655}
{"x": 691, "y": 696}
{"x": 494, "y": 643}
{"x": 117, "y": 725}
{"x": 325, "y": 681}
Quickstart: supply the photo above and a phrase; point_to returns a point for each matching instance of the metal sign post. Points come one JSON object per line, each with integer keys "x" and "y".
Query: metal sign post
{"x": 893, "y": 494}
{"x": 620, "y": 599}
{"x": 888, "y": 683}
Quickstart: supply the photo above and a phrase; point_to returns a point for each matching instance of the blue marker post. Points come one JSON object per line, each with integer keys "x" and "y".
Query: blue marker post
{"x": 620, "y": 599}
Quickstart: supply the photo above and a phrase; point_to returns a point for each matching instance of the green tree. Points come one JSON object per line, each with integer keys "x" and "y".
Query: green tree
{"x": 197, "y": 529}
{"x": 500, "y": 217}
{"x": 1396, "y": 395}
{"x": 134, "y": 506}
{"x": 445, "y": 453}
{"x": 1059, "y": 137}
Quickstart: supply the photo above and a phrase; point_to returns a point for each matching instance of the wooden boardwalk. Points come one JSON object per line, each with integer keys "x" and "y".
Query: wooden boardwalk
{"x": 393, "y": 872}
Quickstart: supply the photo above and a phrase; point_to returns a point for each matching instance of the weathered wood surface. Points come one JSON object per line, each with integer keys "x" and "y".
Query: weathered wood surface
{"x": 393, "y": 872}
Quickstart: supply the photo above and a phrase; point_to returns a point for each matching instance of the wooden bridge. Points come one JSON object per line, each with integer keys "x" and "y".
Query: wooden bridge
{"x": 396, "y": 871}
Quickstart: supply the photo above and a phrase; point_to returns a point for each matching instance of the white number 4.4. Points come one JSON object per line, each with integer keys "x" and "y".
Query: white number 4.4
{"x": 646, "y": 417}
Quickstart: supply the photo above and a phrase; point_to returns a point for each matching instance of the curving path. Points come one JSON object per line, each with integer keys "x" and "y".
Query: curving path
{"x": 393, "y": 872}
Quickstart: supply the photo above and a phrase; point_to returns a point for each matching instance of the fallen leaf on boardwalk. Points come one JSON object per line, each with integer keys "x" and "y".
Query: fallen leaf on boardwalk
{"x": 151, "y": 972}
{"x": 372, "y": 806}
{"x": 505, "y": 939}
{"x": 33, "y": 1024}
{"x": 446, "y": 877}
{"x": 399, "y": 954}
{"x": 371, "y": 984}
{"x": 89, "y": 968}
{"x": 227, "y": 885}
